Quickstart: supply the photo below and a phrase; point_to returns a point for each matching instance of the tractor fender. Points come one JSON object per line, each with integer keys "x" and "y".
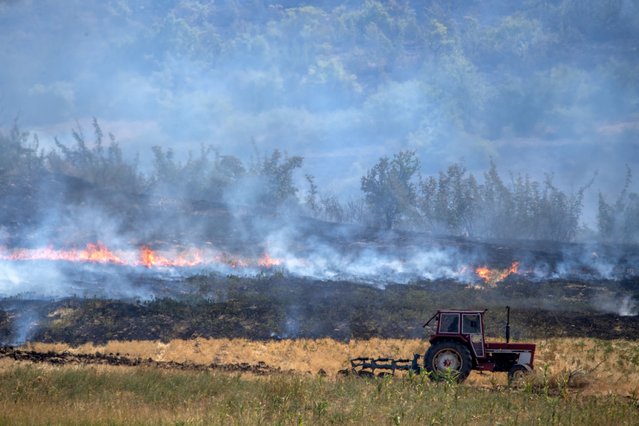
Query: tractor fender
{"x": 457, "y": 338}
{"x": 525, "y": 358}
{"x": 526, "y": 366}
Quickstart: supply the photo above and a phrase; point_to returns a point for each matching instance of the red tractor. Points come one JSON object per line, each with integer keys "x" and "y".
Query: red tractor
{"x": 457, "y": 347}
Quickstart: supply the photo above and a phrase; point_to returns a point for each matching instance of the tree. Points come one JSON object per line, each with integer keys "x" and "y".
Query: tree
{"x": 620, "y": 221}
{"x": 559, "y": 213}
{"x": 101, "y": 165}
{"x": 332, "y": 208}
{"x": 389, "y": 188}
{"x": 311, "y": 196}
{"x": 21, "y": 175}
{"x": 496, "y": 205}
{"x": 200, "y": 177}
{"x": 192, "y": 179}
{"x": 450, "y": 202}
{"x": 426, "y": 201}
{"x": 227, "y": 171}
{"x": 276, "y": 173}
{"x": 20, "y": 162}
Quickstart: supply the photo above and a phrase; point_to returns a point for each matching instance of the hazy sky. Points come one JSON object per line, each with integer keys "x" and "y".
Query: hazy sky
{"x": 169, "y": 73}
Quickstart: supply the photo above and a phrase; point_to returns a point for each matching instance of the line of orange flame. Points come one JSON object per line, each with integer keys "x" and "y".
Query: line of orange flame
{"x": 95, "y": 253}
{"x": 145, "y": 256}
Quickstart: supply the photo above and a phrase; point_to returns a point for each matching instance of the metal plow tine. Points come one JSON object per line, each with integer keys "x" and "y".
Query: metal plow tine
{"x": 371, "y": 367}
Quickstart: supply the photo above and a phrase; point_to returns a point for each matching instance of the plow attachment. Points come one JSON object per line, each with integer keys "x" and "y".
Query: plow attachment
{"x": 371, "y": 367}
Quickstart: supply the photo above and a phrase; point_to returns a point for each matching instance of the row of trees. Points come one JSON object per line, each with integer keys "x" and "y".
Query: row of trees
{"x": 100, "y": 166}
{"x": 394, "y": 193}
{"x": 455, "y": 202}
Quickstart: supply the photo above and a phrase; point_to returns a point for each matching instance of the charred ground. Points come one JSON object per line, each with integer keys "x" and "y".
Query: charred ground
{"x": 277, "y": 306}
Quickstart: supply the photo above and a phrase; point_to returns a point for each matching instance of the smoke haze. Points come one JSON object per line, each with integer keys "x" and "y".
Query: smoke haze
{"x": 221, "y": 108}
{"x": 541, "y": 88}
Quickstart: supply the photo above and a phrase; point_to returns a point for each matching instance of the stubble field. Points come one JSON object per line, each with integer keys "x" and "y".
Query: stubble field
{"x": 577, "y": 381}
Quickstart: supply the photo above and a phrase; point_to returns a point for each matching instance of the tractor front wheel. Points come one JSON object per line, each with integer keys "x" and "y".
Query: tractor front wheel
{"x": 517, "y": 374}
{"x": 448, "y": 359}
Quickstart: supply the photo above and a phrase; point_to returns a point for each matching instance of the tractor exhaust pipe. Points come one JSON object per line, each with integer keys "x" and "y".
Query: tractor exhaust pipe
{"x": 507, "y": 324}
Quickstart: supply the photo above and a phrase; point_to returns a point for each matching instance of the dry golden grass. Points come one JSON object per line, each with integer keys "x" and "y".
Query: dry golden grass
{"x": 593, "y": 366}
{"x": 302, "y": 355}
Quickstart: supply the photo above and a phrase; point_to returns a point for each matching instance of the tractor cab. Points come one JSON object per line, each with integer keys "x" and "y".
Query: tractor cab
{"x": 466, "y": 325}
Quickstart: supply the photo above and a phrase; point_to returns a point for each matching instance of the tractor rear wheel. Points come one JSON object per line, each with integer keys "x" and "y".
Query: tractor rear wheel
{"x": 448, "y": 359}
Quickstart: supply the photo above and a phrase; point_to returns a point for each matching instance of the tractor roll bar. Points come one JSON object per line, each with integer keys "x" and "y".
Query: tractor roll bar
{"x": 507, "y": 324}
{"x": 431, "y": 318}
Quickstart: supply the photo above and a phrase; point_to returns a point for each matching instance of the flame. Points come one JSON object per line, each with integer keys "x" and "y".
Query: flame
{"x": 145, "y": 256}
{"x": 492, "y": 276}
{"x": 93, "y": 253}
{"x": 150, "y": 258}
{"x": 267, "y": 261}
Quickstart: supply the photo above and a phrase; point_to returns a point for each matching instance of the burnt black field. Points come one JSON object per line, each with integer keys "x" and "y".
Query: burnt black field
{"x": 275, "y": 306}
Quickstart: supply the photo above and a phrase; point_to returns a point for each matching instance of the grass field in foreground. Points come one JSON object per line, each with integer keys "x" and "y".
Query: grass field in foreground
{"x": 595, "y": 367}
{"x": 31, "y": 394}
